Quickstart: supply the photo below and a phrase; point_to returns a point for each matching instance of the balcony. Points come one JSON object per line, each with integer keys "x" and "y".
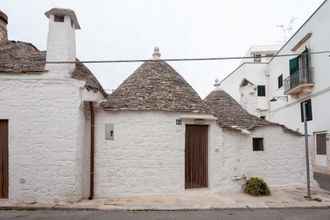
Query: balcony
{"x": 300, "y": 83}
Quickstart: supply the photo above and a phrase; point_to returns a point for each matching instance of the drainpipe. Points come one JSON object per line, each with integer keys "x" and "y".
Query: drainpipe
{"x": 91, "y": 190}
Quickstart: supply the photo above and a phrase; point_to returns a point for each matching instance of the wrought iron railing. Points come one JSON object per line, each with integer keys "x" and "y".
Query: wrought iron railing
{"x": 303, "y": 76}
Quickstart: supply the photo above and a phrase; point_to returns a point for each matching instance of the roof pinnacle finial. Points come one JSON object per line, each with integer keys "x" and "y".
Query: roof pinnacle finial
{"x": 156, "y": 55}
{"x": 217, "y": 83}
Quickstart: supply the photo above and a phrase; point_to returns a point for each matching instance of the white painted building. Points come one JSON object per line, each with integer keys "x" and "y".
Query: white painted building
{"x": 44, "y": 118}
{"x": 62, "y": 138}
{"x": 284, "y": 82}
{"x": 155, "y": 136}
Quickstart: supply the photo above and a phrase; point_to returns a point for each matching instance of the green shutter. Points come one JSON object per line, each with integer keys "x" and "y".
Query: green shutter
{"x": 294, "y": 65}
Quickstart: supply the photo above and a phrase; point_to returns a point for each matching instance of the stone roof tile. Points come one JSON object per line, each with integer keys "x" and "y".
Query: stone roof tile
{"x": 22, "y": 57}
{"x": 232, "y": 115}
{"x": 155, "y": 86}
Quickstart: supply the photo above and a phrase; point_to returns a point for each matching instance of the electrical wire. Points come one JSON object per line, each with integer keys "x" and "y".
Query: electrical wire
{"x": 184, "y": 59}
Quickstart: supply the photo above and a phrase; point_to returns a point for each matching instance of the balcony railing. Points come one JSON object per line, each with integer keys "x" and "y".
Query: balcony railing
{"x": 298, "y": 81}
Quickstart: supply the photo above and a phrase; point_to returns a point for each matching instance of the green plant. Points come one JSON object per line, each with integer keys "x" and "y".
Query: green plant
{"x": 256, "y": 186}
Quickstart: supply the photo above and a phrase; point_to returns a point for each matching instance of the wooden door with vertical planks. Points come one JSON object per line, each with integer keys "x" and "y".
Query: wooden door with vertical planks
{"x": 196, "y": 156}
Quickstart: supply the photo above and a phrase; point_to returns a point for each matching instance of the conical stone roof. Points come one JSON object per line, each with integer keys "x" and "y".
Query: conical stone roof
{"x": 232, "y": 115}
{"x": 155, "y": 86}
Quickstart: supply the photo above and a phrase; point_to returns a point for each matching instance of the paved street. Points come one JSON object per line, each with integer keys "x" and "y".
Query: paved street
{"x": 246, "y": 214}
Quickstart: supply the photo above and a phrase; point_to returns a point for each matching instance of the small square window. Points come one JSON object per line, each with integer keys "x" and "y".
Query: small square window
{"x": 261, "y": 90}
{"x": 59, "y": 18}
{"x": 321, "y": 144}
{"x": 280, "y": 81}
{"x": 258, "y": 144}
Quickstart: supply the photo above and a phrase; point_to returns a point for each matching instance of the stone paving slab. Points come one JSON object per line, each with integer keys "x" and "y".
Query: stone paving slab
{"x": 192, "y": 200}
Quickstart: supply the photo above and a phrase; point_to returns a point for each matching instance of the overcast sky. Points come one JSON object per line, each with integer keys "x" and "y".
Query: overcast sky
{"x": 130, "y": 29}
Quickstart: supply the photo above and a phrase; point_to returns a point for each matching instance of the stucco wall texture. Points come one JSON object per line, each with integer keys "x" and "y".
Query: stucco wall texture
{"x": 147, "y": 156}
{"x": 44, "y": 131}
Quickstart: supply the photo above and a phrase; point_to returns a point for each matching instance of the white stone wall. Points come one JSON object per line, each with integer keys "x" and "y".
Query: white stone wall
{"x": 281, "y": 163}
{"x": 146, "y": 156}
{"x": 44, "y": 130}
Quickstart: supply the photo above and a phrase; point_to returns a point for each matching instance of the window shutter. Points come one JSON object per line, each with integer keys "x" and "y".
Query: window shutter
{"x": 294, "y": 65}
{"x": 321, "y": 144}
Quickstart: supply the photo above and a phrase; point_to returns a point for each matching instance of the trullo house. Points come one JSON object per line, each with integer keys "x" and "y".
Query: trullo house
{"x": 156, "y": 136}
{"x": 62, "y": 138}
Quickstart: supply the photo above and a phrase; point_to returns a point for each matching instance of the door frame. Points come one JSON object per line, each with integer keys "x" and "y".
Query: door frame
{"x": 5, "y": 190}
{"x": 206, "y": 175}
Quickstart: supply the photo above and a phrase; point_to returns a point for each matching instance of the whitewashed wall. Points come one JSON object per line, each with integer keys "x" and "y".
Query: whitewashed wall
{"x": 283, "y": 154}
{"x": 44, "y": 131}
{"x": 256, "y": 74}
{"x": 281, "y": 163}
{"x": 288, "y": 113}
{"x": 146, "y": 156}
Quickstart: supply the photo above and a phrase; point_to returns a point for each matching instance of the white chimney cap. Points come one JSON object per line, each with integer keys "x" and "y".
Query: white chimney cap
{"x": 64, "y": 12}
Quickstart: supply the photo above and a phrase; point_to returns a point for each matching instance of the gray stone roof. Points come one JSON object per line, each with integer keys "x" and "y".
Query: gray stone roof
{"x": 25, "y": 58}
{"x": 81, "y": 72}
{"x": 3, "y": 17}
{"x": 21, "y": 57}
{"x": 232, "y": 115}
{"x": 155, "y": 86}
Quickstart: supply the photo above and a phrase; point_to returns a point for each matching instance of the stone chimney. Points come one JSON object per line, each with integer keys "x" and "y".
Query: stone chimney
{"x": 61, "y": 42}
{"x": 3, "y": 27}
{"x": 156, "y": 55}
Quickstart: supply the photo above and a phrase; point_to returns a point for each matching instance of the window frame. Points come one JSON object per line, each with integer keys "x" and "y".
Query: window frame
{"x": 258, "y": 144}
{"x": 262, "y": 92}
{"x": 321, "y": 150}
{"x": 280, "y": 81}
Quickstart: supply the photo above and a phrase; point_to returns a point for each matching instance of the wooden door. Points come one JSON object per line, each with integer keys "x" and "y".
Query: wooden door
{"x": 3, "y": 159}
{"x": 196, "y": 156}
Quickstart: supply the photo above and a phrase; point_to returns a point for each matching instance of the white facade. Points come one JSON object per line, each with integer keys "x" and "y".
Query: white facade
{"x": 254, "y": 73}
{"x": 261, "y": 53}
{"x": 147, "y": 156}
{"x": 45, "y": 148}
{"x": 49, "y": 141}
{"x": 314, "y": 35}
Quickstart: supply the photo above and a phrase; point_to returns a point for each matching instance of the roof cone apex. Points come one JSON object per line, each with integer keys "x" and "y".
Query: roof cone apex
{"x": 156, "y": 55}
{"x": 217, "y": 84}
{"x": 155, "y": 86}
